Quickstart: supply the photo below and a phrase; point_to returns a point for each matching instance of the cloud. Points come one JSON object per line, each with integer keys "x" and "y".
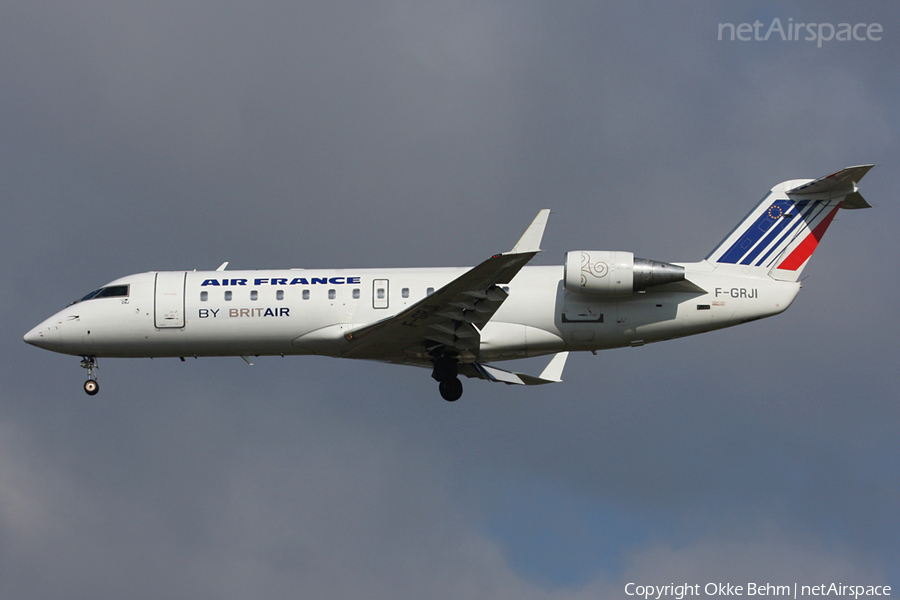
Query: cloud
{"x": 336, "y": 511}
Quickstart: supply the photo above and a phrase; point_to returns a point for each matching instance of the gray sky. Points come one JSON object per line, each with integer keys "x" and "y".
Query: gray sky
{"x": 177, "y": 135}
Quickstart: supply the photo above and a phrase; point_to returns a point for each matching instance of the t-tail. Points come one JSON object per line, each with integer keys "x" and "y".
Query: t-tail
{"x": 779, "y": 236}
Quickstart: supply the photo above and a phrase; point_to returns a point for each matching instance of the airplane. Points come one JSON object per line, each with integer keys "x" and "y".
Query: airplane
{"x": 457, "y": 321}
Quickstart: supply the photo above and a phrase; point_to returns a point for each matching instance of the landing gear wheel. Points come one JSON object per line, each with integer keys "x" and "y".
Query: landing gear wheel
{"x": 445, "y": 369}
{"x": 91, "y": 386}
{"x": 451, "y": 389}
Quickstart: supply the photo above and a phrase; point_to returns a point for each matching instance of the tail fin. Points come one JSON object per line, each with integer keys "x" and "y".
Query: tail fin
{"x": 782, "y": 232}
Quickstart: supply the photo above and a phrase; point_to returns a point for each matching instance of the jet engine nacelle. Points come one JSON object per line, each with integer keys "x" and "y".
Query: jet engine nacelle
{"x": 615, "y": 273}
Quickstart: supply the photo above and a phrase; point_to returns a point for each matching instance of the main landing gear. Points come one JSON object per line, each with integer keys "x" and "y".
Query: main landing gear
{"x": 91, "y": 387}
{"x": 446, "y": 372}
{"x": 451, "y": 389}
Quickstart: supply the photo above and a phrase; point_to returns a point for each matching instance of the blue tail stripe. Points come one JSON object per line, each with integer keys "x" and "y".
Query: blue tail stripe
{"x": 804, "y": 209}
{"x": 805, "y": 220}
{"x": 787, "y": 227}
{"x": 751, "y": 235}
{"x": 784, "y": 206}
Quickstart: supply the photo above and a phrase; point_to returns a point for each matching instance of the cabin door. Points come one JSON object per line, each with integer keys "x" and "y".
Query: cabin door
{"x": 169, "y": 299}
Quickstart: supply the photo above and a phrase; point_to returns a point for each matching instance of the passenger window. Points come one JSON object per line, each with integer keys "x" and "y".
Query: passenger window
{"x": 331, "y": 294}
{"x": 356, "y": 293}
{"x": 254, "y": 295}
{"x": 405, "y": 292}
{"x": 429, "y": 291}
{"x": 228, "y": 296}
{"x": 306, "y": 294}
{"x": 380, "y": 293}
{"x": 279, "y": 295}
{"x": 204, "y": 296}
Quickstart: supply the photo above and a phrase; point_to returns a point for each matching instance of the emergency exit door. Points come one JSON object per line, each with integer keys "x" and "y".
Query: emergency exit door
{"x": 380, "y": 291}
{"x": 169, "y": 299}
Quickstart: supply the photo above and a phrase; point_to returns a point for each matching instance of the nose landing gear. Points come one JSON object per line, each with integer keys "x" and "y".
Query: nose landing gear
{"x": 91, "y": 387}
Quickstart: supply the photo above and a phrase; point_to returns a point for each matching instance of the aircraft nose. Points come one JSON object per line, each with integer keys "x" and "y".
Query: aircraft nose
{"x": 33, "y": 336}
{"x": 41, "y": 336}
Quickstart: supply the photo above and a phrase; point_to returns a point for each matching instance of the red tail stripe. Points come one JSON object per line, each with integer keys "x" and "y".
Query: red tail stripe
{"x": 802, "y": 252}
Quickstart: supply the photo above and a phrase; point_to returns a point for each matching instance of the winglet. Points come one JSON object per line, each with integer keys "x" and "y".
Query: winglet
{"x": 531, "y": 239}
{"x": 552, "y": 373}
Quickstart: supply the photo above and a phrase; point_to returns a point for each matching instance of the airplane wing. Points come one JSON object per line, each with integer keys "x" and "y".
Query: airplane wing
{"x": 451, "y": 317}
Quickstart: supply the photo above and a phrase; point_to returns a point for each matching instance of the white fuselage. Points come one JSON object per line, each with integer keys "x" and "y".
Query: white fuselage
{"x": 457, "y": 320}
{"x": 281, "y": 312}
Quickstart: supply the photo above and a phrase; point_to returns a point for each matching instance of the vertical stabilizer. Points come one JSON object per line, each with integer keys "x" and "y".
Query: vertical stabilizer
{"x": 781, "y": 233}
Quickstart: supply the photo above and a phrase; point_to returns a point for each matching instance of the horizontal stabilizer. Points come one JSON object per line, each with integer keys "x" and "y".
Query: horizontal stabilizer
{"x": 839, "y": 181}
{"x": 855, "y": 200}
{"x": 552, "y": 373}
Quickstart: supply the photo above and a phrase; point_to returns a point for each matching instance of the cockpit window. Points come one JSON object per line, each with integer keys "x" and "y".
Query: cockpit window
{"x": 89, "y": 296}
{"x": 113, "y": 291}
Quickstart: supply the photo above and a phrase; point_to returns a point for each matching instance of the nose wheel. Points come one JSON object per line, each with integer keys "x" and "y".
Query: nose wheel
{"x": 91, "y": 387}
